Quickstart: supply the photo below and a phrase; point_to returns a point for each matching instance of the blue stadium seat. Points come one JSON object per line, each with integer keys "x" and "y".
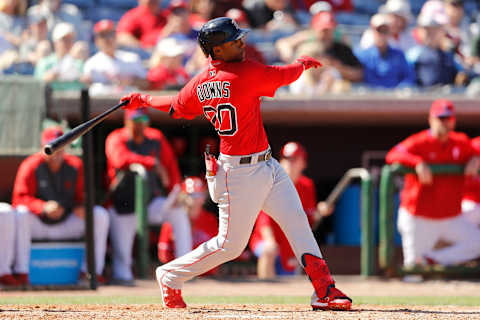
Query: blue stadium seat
{"x": 96, "y": 14}
{"x": 353, "y": 18}
{"x": 416, "y": 6}
{"x": 123, "y": 4}
{"x": 81, "y": 4}
{"x": 366, "y": 6}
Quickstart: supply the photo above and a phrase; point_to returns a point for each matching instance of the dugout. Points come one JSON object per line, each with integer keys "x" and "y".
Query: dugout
{"x": 339, "y": 132}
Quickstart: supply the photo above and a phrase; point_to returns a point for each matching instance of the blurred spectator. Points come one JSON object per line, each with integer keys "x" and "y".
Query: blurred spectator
{"x": 111, "y": 70}
{"x": 35, "y": 46}
{"x": 49, "y": 198}
{"x": 471, "y": 194}
{"x": 201, "y": 12}
{"x": 60, "y": 66}
{"x": 315, "y": 82}
{"x": 336, "y": 5}
{"x": 474, "y": 58}
{"x": 166, "y": 69}
{"x": 140, "y": 27}
{"x": 178, "y": 26}
{"x": 320, "y": 6}
{"x": 430, "y": 208}
{"x": 192, "y": 196}
{"x": 457, "y": 27}
{"x": 80, "y": 51}
{"x": 271, "y": 14}
{"x": 383, "y": 65}
{"x": 400, "y": 35}
{"x": 268, "y": 242}
{"x": 432, "y": 64}
{"x": 57, "y": 12}
{"x": 222, "y": 6}
{"x": 340, "y": 55}
{"x": 7, "y": 254}
{"x": 126, "y": 148}
{"x": 12, "y": 23}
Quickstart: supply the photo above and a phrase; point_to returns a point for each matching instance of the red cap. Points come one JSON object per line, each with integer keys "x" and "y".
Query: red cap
{"x": 177, "y": 4}
{"x": 442, "y": 108}
{"x": 323, "y": 20}
{"x": 103, "y": 26}
{"x": 192, "y": 185}
{"x": 293, "y": 150}
{"x": 136, "y": 114}
{"x": 236, "y": 14}
{"x": 51, "y": 133}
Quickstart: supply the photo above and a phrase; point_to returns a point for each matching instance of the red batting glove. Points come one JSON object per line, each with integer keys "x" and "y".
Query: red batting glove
{"x": 210, "y": 164}
{"x": 309, "y": 62}
{"x": 136, "y": 101}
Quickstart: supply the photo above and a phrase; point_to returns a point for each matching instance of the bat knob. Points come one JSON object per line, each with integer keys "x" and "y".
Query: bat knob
{"x": 48, "y": 150}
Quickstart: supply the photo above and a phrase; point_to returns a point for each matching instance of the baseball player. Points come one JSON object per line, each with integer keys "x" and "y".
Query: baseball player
{"x": 48, "y": 197}
{"x": 471, "y": 194}
{"x": 7, "y": 254}
{"x": 430, "y": 205}
{"x": 268, "y": 242}
{"x": 245, "y": 179}
{"x": 192, "y": 196}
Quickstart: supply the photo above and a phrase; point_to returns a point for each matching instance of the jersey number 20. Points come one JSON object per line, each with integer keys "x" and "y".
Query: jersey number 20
{"x": 223, "y": 118}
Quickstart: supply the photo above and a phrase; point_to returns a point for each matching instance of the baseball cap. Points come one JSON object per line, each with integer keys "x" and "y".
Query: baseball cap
{"x": 380, "y": 19}
{"x": 104, "y": 25}
{"x": 177, "y": 4}
{"x": 236, "y": 14}
{"x": 61, "y": 30}
{"x": 50, "y": 134}
{"x": 455, "y": 2}
{"x": 442, "y": 108}
{"x": 137, "y": 115}
{"x": 323, "y": 20}
{"x": 194, "y": 186}
{"x": 320, "y": 6}
{"x": 398, "y": 7}
{"x": 293, "y": 150}
{"x": 170, "y": 47}
{"x": 36, "y": 18}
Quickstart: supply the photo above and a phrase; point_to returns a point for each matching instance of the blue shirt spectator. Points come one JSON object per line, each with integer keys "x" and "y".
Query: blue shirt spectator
{"x": 383, "y": 65}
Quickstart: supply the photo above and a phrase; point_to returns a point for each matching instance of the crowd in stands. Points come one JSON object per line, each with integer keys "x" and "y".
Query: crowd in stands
{"x": 118, "y": 46}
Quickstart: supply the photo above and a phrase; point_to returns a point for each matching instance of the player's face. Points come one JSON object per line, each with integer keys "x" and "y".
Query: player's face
{"x": 55, "y": 160}
{"x": 440, "y": 127}
{"x": 233, "y": 51}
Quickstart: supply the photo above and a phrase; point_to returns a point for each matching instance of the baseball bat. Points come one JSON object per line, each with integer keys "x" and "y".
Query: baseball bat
{"x": 79, "y": 130}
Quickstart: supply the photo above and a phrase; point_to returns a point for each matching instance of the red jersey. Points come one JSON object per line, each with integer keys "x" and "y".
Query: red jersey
{"x": 306, "y": 191}
{"x": 472, "y": 184}
{"x": 120, "y": 155}
{"x": 143, "y": 24}
{"x": 35, "y": 184}
{"x": 160, "y": 77}
{"x": 204, "y": 227}
{"x": 442, "y": 199}
{"x": 228, "y": 95}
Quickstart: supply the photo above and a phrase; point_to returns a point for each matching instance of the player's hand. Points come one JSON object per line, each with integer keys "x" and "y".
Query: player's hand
{"x": 79, "y": 212}
{"x": 309, "y": 62}
{"x": 324, "y": 209}
{"x": 424, "y": 173}
{"x": 136, "y": 101}
{"x": 210, "y": 164}
{"x": 472, "y": 166}
{"x": 53, "y": 210}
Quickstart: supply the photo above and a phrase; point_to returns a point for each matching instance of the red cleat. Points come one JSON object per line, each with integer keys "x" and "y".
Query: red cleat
{"x": 326, "y": 296}
{"x": 22, "y": 278}
{"x": 171, "y": 298}
{"x": 8, "y": 280}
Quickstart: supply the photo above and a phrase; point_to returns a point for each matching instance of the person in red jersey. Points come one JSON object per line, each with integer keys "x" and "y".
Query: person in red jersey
{"x": 48, "y": 195}
{"x": 141, "y": 26}
{"x": 245, "y": 179}
{"x": 127, "y": 148}
{"x": 471, "y": 194}
{"x": 430, "y": 205}
{"x": 268, "y": 242}
{"x": 204, "y": 224}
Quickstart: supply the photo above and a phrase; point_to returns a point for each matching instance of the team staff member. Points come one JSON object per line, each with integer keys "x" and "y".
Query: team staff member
{"x": 192, "y": 195}
{"x": 48, "y": 196}
{"x": 471, "y": 195}
{"x": 245, "y": 179}
{"x": 137, "y": 143}
{"x": 268, "y": 242}
{"x": 430, "y": 205}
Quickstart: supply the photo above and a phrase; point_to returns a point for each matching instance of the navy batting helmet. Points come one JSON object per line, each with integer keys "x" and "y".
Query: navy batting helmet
{"x": 218, "y": 31}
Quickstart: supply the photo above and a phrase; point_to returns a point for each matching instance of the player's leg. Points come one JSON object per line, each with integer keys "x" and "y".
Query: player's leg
{"x": 122, "y": 234}
{"x": 284, "y": 206}
{"x": 418, "y": 236}
{"x": 238, "y": 207}
{"x": 465, "y": 237}
{"x": 7, "y": 239}
{"x": 101, "y": 222}
{"x": 159, "y": 211}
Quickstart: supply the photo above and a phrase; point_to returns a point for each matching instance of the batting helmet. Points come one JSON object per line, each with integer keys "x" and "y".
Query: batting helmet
{"x": 218, "y": 31}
